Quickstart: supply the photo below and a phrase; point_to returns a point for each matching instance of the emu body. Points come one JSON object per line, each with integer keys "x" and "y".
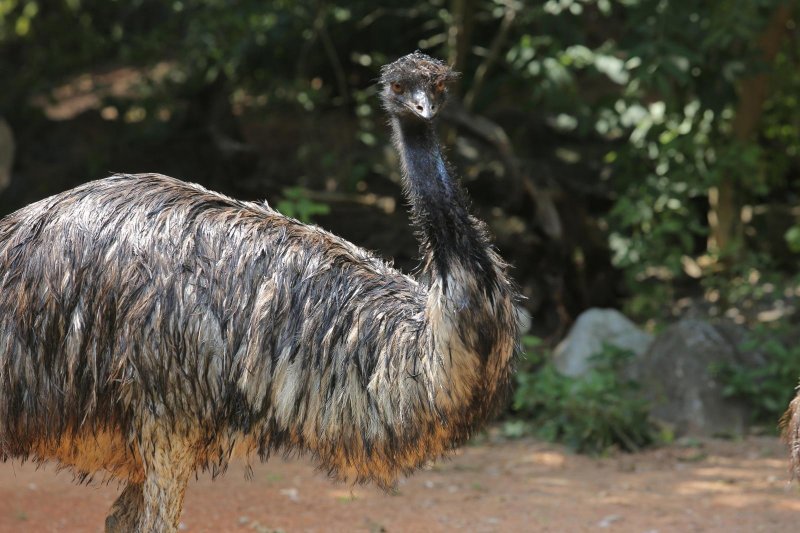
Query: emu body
{"x": 790, "y": 424}
{"x": 150, "y": 328}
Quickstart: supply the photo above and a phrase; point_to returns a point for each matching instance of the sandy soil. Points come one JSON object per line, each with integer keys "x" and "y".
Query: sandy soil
{"x": 522, "y": 485}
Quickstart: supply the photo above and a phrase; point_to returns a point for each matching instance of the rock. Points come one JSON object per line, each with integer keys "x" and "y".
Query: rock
{"x": 737, "y": 336}
{"x": 676, "y": 375}
{"x": 291, "y": 493}
{"x": 6, "y": 153}
{"x": 608, "y": 520}
{"x": 524, "y": 319}
{"x": 591, "y": 330}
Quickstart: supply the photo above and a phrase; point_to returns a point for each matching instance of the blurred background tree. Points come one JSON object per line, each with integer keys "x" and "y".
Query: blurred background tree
{"x": 639, "y": 154}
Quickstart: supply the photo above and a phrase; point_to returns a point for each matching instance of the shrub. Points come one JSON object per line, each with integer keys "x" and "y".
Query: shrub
{"x": 768, "y": 388}
{"x": 591, "y": 413}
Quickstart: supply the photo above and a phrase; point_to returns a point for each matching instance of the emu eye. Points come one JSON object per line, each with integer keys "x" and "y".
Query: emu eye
{"x": 440, "y": 86}
{"x": 397, "y": 88}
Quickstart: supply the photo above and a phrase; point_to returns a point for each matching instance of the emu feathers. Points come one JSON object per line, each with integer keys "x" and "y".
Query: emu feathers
{"x": 150, "y": 328}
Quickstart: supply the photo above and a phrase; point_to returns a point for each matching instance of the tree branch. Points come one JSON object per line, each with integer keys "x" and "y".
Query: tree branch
{"x": 488, "y": 131}
{"x": 330, "y": 50}
{"x": 491, "y": 57}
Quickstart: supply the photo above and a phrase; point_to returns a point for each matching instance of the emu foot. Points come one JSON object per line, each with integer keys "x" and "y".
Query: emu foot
{"x": 126, "y": 510}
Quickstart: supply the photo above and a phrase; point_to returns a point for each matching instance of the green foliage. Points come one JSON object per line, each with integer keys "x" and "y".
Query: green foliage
{"x": 781, "y": 123}
{"x": 792, "y": 237}
{"x": 661, "y": 89}
{"x": 591, "y": 413}
{"x": 297, "y": 204}
{"x": 768, "y": 388}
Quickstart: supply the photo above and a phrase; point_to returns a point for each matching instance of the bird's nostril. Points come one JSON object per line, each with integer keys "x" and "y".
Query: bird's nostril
{"x": 419, "y": 108}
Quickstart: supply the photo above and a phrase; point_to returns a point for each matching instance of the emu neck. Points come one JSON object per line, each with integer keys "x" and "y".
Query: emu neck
{"x": 450, "y": 238}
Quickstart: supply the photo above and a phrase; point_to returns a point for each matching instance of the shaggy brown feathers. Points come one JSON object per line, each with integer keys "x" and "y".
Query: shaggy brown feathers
{"x": 150, "y": 328}
{"x": 790, "y": 424}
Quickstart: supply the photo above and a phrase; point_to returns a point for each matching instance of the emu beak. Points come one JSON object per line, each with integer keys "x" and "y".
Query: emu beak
{"x": 420, "y": 104}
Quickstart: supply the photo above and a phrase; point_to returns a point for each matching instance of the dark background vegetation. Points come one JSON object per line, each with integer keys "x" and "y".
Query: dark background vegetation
{"x": 637, "y": 154}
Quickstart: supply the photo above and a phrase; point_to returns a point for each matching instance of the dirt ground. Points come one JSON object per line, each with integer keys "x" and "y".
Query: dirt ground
{"x": 521, "y": 485}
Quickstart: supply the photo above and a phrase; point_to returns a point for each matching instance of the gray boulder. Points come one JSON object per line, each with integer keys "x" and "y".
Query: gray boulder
{"x": 591, "y": 330}
{"x": 676, "y": 375}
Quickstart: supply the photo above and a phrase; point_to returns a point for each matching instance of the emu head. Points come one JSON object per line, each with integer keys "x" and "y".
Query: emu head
{"x": 415, "y": 86}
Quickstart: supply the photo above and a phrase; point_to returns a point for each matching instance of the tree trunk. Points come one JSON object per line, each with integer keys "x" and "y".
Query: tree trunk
{"x": 725, "y": 205}
{"x": 459, "y": 34}
{"x": 6, "y": 153}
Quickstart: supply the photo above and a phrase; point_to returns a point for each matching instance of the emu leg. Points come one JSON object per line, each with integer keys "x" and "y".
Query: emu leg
{"x": 126, "y": 510}
{"x": 167, "y": 469}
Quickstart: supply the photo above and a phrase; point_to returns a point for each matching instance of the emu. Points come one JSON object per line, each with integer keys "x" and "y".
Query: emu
{"x": 790, "y": 423}
{"x": 151, "y": 329}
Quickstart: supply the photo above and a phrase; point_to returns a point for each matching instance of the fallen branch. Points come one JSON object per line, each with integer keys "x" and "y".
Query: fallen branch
{"x": 493, "y": 134}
